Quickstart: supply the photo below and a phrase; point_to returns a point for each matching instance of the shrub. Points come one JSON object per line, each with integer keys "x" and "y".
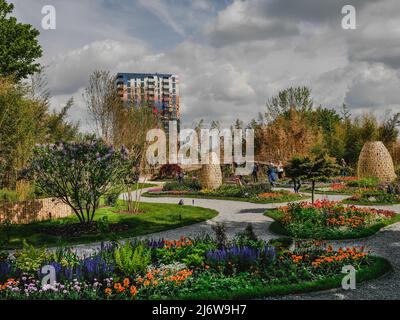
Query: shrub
{"x": 168, "y": 171}
{"x": 78, "y": 174}
{"x": 183, "y": 251}
{"x": 112, "y": 198}
{"x": 363, "y": 183}
{"x": 220, "y": 235}
{"x": 246, "y": 191}
{"x": 258, "y": 188}
{"x": 29, "y": 260}
{"x": 9, "y": 195}
{"x": 394, "y": 187}
{"x": 247, "y": 238}
{"x": 131, "y": 260}
{"x": 103, "y": 225}
{"x": 186, "y": 185}
{"x": 228, "y": 190}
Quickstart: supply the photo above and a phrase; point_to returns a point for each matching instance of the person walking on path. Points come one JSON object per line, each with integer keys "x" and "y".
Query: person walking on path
{"x": 343, "y": 169}
{"x": 280, "y": 170}
{"x": 254, "y": 174}
{"x": 296, "y": 185}
{"x": 271, "y": 173}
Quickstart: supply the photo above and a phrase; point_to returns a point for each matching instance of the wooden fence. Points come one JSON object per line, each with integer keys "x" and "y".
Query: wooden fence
{"x": 25, "y": 212}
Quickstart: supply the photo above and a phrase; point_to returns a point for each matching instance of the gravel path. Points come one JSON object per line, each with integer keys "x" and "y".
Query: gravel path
{"x": 236, "y": 215}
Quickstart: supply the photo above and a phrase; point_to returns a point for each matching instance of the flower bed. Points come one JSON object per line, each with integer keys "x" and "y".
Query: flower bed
{"x": 329, "y": 220}
{"x": 184, "y": 269}
{"x": 346, "y": 186}
{"x": 259, "y": 193}
{"x": 374, "y": 197}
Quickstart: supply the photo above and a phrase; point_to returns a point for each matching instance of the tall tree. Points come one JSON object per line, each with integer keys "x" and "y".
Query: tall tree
{"x": 298, "y": 98}
{"x": 102, "y": 101}
{"x": 19, "y": 47}
{"x": 24, "y": 122}
{"x": 286, "y": 137}
{"x": 388, "y": 131}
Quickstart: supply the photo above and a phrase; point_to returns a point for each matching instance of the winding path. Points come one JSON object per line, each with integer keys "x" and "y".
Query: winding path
{"x": 236, "y": 215}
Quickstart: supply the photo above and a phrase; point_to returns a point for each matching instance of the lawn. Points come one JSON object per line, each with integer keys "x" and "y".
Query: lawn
{"x": 155, "y": 218}
{"x": 147, "y": 185}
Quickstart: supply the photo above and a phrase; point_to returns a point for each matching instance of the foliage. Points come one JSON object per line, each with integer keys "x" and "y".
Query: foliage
{"x": 312, "y": 168}
{"x": 298, "y": 99}
{"x": 298, "y": 129}
{"x": 78, "y": 174}
{"x": 168, "y": 171}
{"x": 363, "y": 183}
{"x": 19, "y": 47}
{"x": 130, "y": 260}
{"x": 111, "y": 198}
{"x": 248, "y": 238}
{"x": 103, "y": 225}
{"x": 29, "y": 259}
{"x": 24, "y": 121}
{"x": 220, "y": 235}
{"x": 291, "y": 135}
{"x": 7, "y": 195}
{"x": 189, "y": 252}
{"x": 185, "y": 185}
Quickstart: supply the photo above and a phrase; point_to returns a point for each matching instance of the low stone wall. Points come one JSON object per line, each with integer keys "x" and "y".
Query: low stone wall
{"x": 33, "y": 210}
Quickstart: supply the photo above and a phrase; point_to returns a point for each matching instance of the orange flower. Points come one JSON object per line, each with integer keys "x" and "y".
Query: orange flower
{"x": 108, "y": 291}
{"x": 155, "y": 282}
{"x": 146, "y": 283}
{"x": 119, "y": 287}
{"x": 133, "y": 290}
{"x": 126, "y": 282}
{"x": 149, "y": 276}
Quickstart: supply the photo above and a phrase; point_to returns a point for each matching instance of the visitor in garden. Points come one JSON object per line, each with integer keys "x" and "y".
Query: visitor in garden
{"x": 255, "y": 172}
{"x": 280, "y": 170}
{"x": 343, "y": 170}
{"x": 181, "y": 176}
{"x": 271, "y": 173}
{"x": 296, "y": 185}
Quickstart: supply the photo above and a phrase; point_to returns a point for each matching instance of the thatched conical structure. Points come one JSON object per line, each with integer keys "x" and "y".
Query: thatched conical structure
{"x": 210, "y": 174}
{"x": 375, "y": 161}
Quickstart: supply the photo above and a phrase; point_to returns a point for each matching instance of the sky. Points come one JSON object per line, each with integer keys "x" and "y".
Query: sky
{"x": 231, "y": 55}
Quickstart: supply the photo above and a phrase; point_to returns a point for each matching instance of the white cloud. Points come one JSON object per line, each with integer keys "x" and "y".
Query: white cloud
{"x": 230, "y": 59}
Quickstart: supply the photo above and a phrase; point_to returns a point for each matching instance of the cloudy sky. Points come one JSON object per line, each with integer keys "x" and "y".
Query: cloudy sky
{"x": 231, "y": 55}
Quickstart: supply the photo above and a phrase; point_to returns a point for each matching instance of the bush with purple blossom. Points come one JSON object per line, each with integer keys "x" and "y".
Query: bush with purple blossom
{"x": 78, "y": 173}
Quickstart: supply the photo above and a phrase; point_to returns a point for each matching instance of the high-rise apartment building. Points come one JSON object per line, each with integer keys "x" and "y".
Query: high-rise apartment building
{"x": 157, "y": 91}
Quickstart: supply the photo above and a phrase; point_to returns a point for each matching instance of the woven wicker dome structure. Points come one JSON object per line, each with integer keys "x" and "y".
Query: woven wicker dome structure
{"x": 375, "y": 161}
{"x": 210, "y": 175}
